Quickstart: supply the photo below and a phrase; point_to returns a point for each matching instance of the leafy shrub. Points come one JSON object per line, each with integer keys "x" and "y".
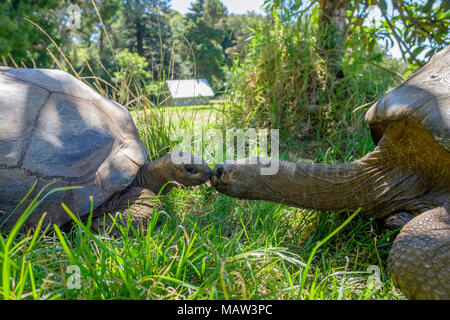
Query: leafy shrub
{"x": 284, "y": 83}
{"x": 131, "y": 65}
{"x": 133, "y": 72}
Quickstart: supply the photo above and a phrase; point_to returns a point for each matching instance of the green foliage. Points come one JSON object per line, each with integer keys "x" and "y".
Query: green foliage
{"x": 312, "y": 74}
{"x": 133, "y": 70}
{"x": 131, "y": 65}
{"x": 199, "y": 41}
{"x": 284, "y": 83}
{"x": 201, "y": 44}
{"x": 239, "y": 32}
{"x": 147, "y": 30}
{"x": 96, "y": 19}
{"x": 420, "y": 28}
{"x": 18, "y": 38}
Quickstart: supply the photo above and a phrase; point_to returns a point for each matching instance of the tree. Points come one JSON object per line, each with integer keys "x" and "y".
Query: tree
{"x": 19, "y": 38}
{"x": 131, "y": 65}
{"x": 202, "y": 37}
{"x": 159, "y": 39}
{"x": 416, "y": 26}
{"x": 332, "y": 33}
{"x": 135, "y": 12}
{"x": 147, "y": 28}
{"x": 97, "y": 16}
{"x": 239, "y": 29}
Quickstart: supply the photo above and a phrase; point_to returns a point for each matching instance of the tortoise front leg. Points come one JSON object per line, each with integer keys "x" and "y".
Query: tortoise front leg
{"x": 419, "y": 260}
{"x": 134, "y": 202}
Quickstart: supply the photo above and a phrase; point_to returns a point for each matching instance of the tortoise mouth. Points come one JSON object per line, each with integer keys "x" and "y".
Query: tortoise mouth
{"x": 191, "y": 182}
{"x": 216, "y": 178}
{"x": 197, "y": 176}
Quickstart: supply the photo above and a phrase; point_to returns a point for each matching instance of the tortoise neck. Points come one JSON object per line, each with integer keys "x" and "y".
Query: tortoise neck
{"x": 324, "y": 187}
{"x": 153, "y": 176}
{"x": 407, "y": 171}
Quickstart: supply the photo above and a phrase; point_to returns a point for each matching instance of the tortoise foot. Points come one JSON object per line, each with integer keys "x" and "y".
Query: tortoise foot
{"x": 397, "y": 220}
{"x": 419, "y": 260}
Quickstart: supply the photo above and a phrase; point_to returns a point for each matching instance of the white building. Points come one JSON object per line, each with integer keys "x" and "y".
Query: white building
{"x": 187, "y": 92}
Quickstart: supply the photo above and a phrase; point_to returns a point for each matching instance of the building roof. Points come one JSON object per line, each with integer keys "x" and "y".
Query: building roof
{"x": 189, "y": 88}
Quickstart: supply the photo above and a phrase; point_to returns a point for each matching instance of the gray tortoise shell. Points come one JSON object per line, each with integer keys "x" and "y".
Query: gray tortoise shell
{"x": 54, "y": 126}
{"x": 424, "y": 98}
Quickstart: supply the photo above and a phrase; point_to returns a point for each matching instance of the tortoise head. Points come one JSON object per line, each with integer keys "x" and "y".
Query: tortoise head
{"x": 187, "y": 169}
{"x": 178, "y": 168}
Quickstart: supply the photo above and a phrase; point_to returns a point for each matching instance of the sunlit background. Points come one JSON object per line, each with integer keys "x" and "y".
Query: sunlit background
{"x": 233, "y": 6}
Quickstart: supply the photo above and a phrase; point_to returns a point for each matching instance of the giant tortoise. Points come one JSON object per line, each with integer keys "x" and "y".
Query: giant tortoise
{"x": 404, "y": 181}
{"x": 56, "y": 128}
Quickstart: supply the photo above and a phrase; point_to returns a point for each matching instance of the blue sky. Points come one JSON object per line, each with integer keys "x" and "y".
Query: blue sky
{"x": 233, "y": 6}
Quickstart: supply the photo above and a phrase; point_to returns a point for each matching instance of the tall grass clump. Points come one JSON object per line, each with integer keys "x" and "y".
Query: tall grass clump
{"x": 284, "y": 83}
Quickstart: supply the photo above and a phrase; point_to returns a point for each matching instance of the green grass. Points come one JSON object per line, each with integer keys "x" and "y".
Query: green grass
{"x": 204, "y": 245}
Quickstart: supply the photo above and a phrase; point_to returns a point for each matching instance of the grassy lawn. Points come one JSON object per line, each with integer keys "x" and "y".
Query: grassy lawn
{"x": 204, "y": 245}
{"x": 201, "y": 114}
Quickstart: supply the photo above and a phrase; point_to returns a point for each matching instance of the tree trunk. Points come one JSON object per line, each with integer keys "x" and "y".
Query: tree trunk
{"x": 139, "y": 38}
{"x": 332, "y": 29}
{"x": 101, "y": 44}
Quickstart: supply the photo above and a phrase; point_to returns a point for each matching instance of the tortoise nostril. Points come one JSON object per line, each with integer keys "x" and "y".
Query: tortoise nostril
{"x": 190, "y": 169}
{"x": 219, "y": 172}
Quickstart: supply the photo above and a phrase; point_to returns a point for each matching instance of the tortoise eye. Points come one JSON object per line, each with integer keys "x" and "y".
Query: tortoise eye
{"x": 189, "y": 168}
